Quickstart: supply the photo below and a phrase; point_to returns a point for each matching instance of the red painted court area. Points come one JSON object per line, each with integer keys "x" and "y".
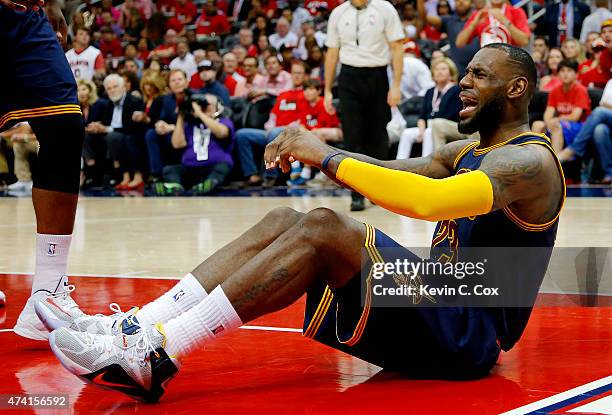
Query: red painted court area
{"x": 261, "y": 370}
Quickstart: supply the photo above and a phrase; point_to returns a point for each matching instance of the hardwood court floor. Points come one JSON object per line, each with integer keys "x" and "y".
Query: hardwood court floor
{"x": 128, "y": 250}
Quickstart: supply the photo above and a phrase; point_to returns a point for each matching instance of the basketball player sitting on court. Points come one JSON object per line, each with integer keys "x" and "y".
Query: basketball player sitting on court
{"x": 510, "y": 193}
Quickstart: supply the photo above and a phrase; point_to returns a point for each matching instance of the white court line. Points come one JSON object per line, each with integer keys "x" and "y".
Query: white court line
{"x": 127, "y": 275}
{"x": 551, "y": 400}
{"x": 267, "y": 328}
{"x": 264, "y": 328}
{"x": 136, "y": 275}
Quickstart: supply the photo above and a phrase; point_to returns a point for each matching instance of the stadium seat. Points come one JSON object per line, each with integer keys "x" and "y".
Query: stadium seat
{"x": 257, "y": 113}
{"x": 410, "y": 110}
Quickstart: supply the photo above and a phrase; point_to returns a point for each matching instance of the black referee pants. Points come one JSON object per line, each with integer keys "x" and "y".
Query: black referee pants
{"x": 364, "y": 111}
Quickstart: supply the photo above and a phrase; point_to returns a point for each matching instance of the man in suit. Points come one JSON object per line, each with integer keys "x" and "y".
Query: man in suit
{"x": 113, "y": 135}
{"x": 562, "y": 21}
{"x": 238, "y": 10}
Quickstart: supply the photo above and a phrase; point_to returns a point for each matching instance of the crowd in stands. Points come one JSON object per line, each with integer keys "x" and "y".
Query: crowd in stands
{"x": 185, "y": 94}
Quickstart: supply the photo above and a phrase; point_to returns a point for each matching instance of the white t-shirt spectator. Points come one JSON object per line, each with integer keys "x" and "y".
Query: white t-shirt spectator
{"x": 187, "y": 64}
{"x": 85, "y": 62}
{"x": 416, "y": 78}
{"x": 300, "y": 15}
{"x": 592, "y": 23}
{"x": 289, "y": 39}
{"x": 363, "y": 36}
{"x": 301, "y": 51}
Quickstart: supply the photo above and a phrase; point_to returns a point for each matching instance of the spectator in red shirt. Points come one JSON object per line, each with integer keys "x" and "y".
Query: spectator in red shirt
{"x": 606, "y": 56}
{"x": 498, "y": 23}
{"x": 212, "y": 22}
{"x": 315, "y": 118}
{"x": 325, "y": 126}
{"x": 551, "y": 81}
{"x": 592, "y": 74}
{"x": 567, "y": 108}
{"x": 319, "y": 7}
{"x": 167, "y": 50}
{"x": 286, "y": 112}
{"x": 230, "y": 65}
{"x": 185, "y": 13}
{"x": 245, "y": 39}
{"x": 110, "y": 46}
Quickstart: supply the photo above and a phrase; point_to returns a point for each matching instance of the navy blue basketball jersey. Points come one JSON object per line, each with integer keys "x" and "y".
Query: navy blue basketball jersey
{"x": 500, "y": 228}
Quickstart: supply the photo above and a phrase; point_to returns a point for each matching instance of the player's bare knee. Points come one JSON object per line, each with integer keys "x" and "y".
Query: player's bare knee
{"x": 320, "y": 225}
{"x": 280, "y": 219}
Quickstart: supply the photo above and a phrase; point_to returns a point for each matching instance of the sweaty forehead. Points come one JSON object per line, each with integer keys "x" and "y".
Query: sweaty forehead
{"x": 494, "y": 62}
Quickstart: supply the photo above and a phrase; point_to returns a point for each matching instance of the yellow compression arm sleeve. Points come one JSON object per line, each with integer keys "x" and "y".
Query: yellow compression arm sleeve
{"x": 417, "y": 196}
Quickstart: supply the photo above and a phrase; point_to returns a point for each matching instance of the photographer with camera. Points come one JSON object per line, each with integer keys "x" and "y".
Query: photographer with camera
{"x": 208, "y": 140}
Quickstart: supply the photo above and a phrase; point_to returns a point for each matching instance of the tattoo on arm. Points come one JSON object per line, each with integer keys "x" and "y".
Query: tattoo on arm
{"x": 437, "y": 165}
{"x": 515, "y": 173}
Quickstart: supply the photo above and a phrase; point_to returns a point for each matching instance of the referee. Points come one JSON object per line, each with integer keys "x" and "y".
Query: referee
{"x": 364, "y": 35}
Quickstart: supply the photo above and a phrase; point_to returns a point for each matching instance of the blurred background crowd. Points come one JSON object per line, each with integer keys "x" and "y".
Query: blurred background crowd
{"x": 183, "y": 95}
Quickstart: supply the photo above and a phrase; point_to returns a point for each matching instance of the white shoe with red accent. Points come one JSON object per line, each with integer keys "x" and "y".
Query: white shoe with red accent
{"x": 30, "y": 326}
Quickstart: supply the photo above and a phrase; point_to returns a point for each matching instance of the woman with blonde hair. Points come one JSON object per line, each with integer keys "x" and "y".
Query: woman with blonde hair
{"x": 441, "y": 101}
{"x": 573, "y": 49}
{"x": 87, "y": 94}
{"x": 152, "y": 85}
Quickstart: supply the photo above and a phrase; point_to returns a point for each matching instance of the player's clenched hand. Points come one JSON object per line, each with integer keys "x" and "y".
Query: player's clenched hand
{"x": 294, "y": 144}
{"x": 23, "y": 5}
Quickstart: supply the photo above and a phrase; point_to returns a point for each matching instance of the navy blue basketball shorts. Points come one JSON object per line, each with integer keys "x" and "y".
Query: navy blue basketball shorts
{"x": 422, "y": 342}
{"x": 36, "y": 78}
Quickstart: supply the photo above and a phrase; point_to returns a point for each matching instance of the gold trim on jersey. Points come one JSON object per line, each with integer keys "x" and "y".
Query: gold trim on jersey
{"x": 326, "y": 299}
{"x": 39, "y": 112}
{"x": 481, "y": 151}
{"x": 463, "y": 152}
{"x": 538, "y": 227}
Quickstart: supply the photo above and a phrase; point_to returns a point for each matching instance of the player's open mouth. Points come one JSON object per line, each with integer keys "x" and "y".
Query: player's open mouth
{"x": 469, "y": 105}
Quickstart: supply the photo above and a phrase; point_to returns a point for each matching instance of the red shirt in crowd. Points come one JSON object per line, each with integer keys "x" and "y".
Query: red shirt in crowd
{"x": 230, "y": 83}
{"x": 315, "y": 116}
{"x": 207, "y": 25}
{"x": 186, "y": 13}
{"x": 183, "y": 14}
{"x": 565, "y": 102}
{"x": 288, "y": 107}
{"x": 605, "y": 62}
{"x": 313, "y": 6}
{"x": 166, "y": 5}
{"x": 163, "y": 47}
{"x": 595, "y": 76}
{"x": 490, "y": 30}
{"x": 112, "y": 48}
{"x": 196, "y": 82}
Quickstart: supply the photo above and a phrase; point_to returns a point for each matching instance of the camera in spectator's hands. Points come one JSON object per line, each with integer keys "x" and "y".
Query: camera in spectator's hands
{"x": 186, "y": 107}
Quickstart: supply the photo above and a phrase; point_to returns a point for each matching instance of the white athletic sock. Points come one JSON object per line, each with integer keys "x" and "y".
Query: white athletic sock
{"x": 180, "y": 298}
{"x": 211, "y": 318}
{"x": 51, "y": 261}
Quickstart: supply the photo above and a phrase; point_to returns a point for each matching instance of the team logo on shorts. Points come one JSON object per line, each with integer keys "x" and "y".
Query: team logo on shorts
{"x": 51, "y": 249}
